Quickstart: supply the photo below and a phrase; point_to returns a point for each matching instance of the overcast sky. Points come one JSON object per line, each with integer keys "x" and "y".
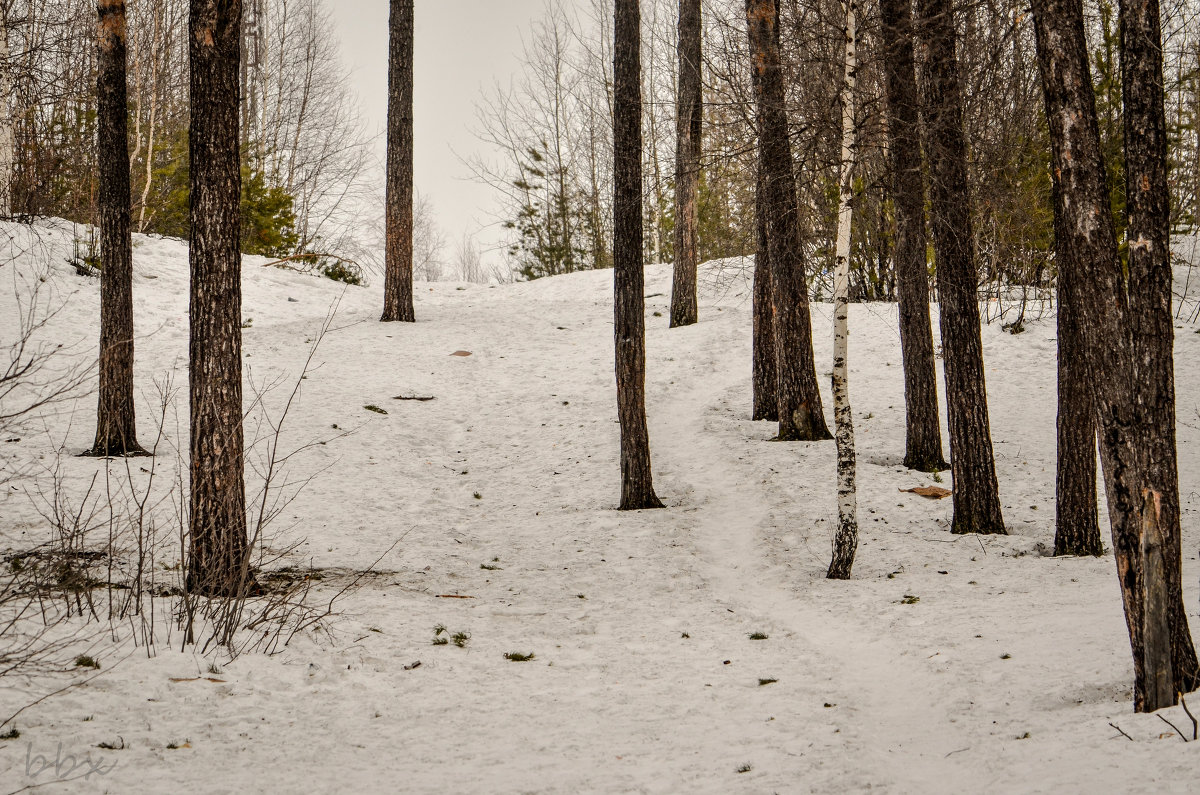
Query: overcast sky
{"x": 462, "y": 46}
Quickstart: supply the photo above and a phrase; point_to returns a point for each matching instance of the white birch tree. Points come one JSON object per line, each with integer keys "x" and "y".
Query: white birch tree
{"x": 7, "y": 154}
{"x": 846, "y": 541}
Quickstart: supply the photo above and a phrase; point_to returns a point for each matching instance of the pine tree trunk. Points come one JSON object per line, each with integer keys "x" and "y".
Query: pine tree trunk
{"x": 976, "y": 494}
{"x": 687, "y": 166}
{"x": 637, "y": 486}
{"x": 398, "y": 275}
{"x": 116, "y": 427}
{"x": 800, "y": 411}
{"x": 218, "y": 563}
{"x": 1148, "y": 230}
{"x": 1086, "y": 246}
{"x": 923, "y": 432}
{"x": 845, "y": 542}
{"x": 1077, "y": 525}
{"x": 764, "y": 375}
{"x": 763, "y": 379}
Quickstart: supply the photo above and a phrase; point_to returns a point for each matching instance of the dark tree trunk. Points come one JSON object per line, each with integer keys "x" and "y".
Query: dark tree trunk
{"x": 976, "y": 494}
{"x": 688, "y": 116}
{"x": 116, "y": 429}
{"x": 799, "y": 398}
{"x": 764, "y": 379}
{"x": 923, "y": 437}
{"x": 637, "y": 486}
{"x": 1077, "y": 525}
{"x": 1148, "y": 228}
{"x": 398, "y": 274}
{"x": 218, "y": 563}
{"x": 1086, "y": 246}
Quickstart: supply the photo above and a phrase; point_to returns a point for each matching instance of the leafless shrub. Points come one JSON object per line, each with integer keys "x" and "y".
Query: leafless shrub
{"x": 117, "y": 551}
{"x": 469, "y": 260}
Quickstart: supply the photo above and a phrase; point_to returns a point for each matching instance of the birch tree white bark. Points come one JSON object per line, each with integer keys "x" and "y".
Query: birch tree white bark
{"x": 845, "y": 542}
{"x": 7, "y": 155}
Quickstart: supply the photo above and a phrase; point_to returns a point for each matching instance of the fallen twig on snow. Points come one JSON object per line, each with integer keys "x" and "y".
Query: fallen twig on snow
{"x": 1173, "y": 726}
{"x": 1118, "y": 728}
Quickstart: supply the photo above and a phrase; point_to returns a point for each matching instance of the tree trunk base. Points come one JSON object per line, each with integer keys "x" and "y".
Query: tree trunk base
{"x": 819, "y": 434}
{"x": 967, "y": 525}
{"x": 801, "y": 437}
{"x": 641, "y": 502}
{"x": 684, "y": 317}
{"x": 216, "y": 587}
{"x": 925, "y": 463}
{"x": 844, "y": 547}
{"x": 807, "y": 425}
{"x": 119, "y": 449}
{"x": 1086, "y": 545}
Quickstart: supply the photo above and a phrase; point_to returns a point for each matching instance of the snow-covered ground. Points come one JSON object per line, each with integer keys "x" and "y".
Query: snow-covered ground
{"x": 1002, "y": 675}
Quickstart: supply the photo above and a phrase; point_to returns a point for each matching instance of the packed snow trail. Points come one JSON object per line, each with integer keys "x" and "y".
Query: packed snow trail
{"x": 704, "y": 443}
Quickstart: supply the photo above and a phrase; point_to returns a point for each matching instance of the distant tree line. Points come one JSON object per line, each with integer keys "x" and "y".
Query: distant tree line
{"x": 304, "y": 151}
{"x": 556, "y": 170}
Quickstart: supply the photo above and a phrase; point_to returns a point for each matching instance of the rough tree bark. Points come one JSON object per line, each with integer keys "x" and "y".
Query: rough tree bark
{"x": 1077, "y": 524}
{"x": 845, "y": 541}
{"x": 1086, "y": 244}
{"x": 688, "y": 117}
{"x": 763, "y": 377}
{"x": 923, "y": 432}
{"x": 398, "y": 275}
{"x": 799, "y": 398}
{"x": 637, "y": 487}
{"x": 218, "y": 563}
{"x": 1148, "y": 228}
{"x": 116, "y": 426}
{"x": 976, "y": 494}
{"x": 764, "y": 373}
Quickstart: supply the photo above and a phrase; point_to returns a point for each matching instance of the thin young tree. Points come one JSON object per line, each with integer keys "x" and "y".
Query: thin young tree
{"x": 845, "y": 541}
{"x": 1086, "y": 243}
{"x": 688, "y": 119}
{"x": 398, "y": 275}
{"x": 7, "y": 139}
{"x": 218, "y": 560}
{"x": 637, "y": 487}
{"x": 923, "y": 433}
{"x": 976, "y": 493}
{"x": 116, "y": 426}
{"x": 1148, "y": 230}
{"x": 799, "y": 398}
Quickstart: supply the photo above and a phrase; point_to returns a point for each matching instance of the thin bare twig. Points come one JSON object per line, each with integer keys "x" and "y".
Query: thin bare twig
{"x": 1173, "y": 726}
{"x": 1118, "y": 728}
{"x": 1191, "y": 717}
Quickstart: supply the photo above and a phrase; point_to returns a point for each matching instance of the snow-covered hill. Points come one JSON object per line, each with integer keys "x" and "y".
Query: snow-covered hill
{"x": 1002, "y": 675}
